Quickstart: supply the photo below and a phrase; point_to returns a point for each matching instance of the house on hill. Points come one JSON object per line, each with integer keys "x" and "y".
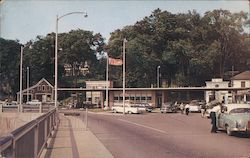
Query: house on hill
{"x": 42, "y": 91}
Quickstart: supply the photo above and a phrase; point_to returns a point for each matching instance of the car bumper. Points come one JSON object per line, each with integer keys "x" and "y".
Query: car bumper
{"x": 240, "y": 129}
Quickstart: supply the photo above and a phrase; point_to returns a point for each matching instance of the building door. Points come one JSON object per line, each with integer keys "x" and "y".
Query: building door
{"x": 44, "y": 98}
{"x": 159, "y": 102}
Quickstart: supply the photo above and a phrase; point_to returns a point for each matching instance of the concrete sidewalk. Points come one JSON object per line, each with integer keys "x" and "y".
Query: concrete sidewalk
{"x": 71, "y": 140}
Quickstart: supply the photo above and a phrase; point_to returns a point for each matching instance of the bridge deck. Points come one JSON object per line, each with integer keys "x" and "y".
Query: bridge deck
{"x": 71, "y": 140}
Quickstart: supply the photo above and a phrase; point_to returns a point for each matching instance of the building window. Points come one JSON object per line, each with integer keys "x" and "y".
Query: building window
{"x": 132, "y": 98}
{"x": 216, "y": 85}
{"x": 243, "y": 84}
{"x": 43, "y": 88}
{"x": 116, "y": 98}
{"x": 149, "y": 98}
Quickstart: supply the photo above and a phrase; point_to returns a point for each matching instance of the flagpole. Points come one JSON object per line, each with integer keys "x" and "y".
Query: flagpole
{"x": 123, "y": 87}
{"x": 107, "y": 79}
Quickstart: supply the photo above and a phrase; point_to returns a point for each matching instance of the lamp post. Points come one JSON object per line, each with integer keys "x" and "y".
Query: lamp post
{"x": 21, "y": 80}
{"x": 28, "y": 85}
{"x": 124, "y": 71}
{"x": 158, "y": 76}
{"x": 56, "y": 50}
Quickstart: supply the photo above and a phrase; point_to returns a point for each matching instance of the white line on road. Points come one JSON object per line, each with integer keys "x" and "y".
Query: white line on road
{"x": 137, "y": 124}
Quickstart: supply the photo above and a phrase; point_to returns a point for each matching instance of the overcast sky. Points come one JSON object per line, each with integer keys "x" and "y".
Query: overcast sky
{"x": 25, "y": 19}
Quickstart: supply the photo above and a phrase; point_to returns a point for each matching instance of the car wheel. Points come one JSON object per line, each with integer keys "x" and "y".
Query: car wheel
{"x": 129, "y": 112}
{"x": 114, "y": 111}
{"x": 230, "y": 133}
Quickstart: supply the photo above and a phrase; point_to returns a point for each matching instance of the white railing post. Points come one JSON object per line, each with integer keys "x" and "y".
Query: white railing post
{"x": 46, "y": 131}
{"x": 13, "y": 152}
{"x": 36, "y": 140}
{"x": 40, "y": 108}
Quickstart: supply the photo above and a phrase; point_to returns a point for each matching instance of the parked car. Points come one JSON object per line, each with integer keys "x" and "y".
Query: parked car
{"x": 194, "y": 106}
{"x": 34, "y": 102}
{"x": 168, "y": 107}
{"x": 10, "y": 104}
{"x": 145, "y": 107}
{"x": 130, "y": 109}
{"x": 212, "y": 106}
{"x": 234, "y": 118}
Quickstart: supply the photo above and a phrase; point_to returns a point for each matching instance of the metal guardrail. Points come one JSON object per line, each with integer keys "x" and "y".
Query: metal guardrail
{"x": 29, "y": 140}
{"x": 28, "y": 108}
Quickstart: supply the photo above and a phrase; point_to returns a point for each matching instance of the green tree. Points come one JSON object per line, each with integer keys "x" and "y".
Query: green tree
{"x": 225, "y": 28}
{"x": 9, "y": 67}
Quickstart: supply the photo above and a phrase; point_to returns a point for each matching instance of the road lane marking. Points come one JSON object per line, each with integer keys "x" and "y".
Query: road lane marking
{"x": 137, "y": 124}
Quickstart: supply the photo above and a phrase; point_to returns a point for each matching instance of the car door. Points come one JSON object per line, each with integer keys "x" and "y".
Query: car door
{"x": 221, "y": 120}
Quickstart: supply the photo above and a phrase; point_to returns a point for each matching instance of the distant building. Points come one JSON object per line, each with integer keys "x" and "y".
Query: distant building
{"x": 76, "y": 69}
{"x": 242, "y": 80}
{"x": 67, "y": 69}
{"x": 217, "y": 95}
{"x": 42, "y": 91}
{"x": 96, "y": 97}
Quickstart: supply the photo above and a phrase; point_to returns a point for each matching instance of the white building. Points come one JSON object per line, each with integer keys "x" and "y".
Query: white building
{"x": 217, "y": 95}
{"x": 242, "y": 80}
{"x": 96, "y": 97}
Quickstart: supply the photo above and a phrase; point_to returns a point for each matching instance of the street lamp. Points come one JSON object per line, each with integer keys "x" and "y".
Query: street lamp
{"x": 56, "y": 40}
{"x": 28, "y": 85}
{"x": 21, "y": 79}
{"x": 123, "y": 74}
{"x": 158, "y": 76}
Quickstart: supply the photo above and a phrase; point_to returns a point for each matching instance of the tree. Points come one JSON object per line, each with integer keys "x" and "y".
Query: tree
{"x": 74, "y": 48}
{"x": 225, "y": 28}
{"x": 9, "y": 67}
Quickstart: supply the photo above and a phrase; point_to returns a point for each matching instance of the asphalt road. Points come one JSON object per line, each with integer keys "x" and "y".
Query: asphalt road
{"x": 156, "y": 135}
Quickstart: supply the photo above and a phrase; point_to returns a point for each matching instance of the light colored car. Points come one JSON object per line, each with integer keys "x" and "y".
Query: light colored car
{"x": 130, "y": 109}
{"x": 145, "y": 107}
{"x": 215, "y": 109}
{"x": 212, "y": 106}
{"x": 194, "y": 106}
{"x": 34, "y": 102}
{"x": 10, "y": 105}
{"x": 234, "y": 118}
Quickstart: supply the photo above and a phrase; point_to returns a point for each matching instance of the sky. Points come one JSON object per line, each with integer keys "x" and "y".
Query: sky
{"x": 23, "y": 20}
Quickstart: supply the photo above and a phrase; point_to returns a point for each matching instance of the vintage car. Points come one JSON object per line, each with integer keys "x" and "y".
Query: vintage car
{"x": 145, "y": 107}
{"x": 168, "y": 107}
{"x": 194, "y": 106}
{"x": 234, "y": 118}
{"x": 128, "y": 108}
{"x": 212, "y": 106}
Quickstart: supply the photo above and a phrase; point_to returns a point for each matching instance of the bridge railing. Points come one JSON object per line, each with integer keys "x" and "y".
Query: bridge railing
{"x": 42, "y": 108}
{"x": 29, "y": 140}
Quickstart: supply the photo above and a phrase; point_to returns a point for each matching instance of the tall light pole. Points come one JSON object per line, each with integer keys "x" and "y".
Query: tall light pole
{"x": 56, "y": 50}
{"x": 21, "y": 80}
{"x": 107, "y": 81}
{"x": 124, "y": 71}
{"x": 158, "y": 76}
{"x": 28, "y": 83}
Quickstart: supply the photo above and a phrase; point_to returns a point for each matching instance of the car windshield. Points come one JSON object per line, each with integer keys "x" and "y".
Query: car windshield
{"x": 240, "y": 110}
